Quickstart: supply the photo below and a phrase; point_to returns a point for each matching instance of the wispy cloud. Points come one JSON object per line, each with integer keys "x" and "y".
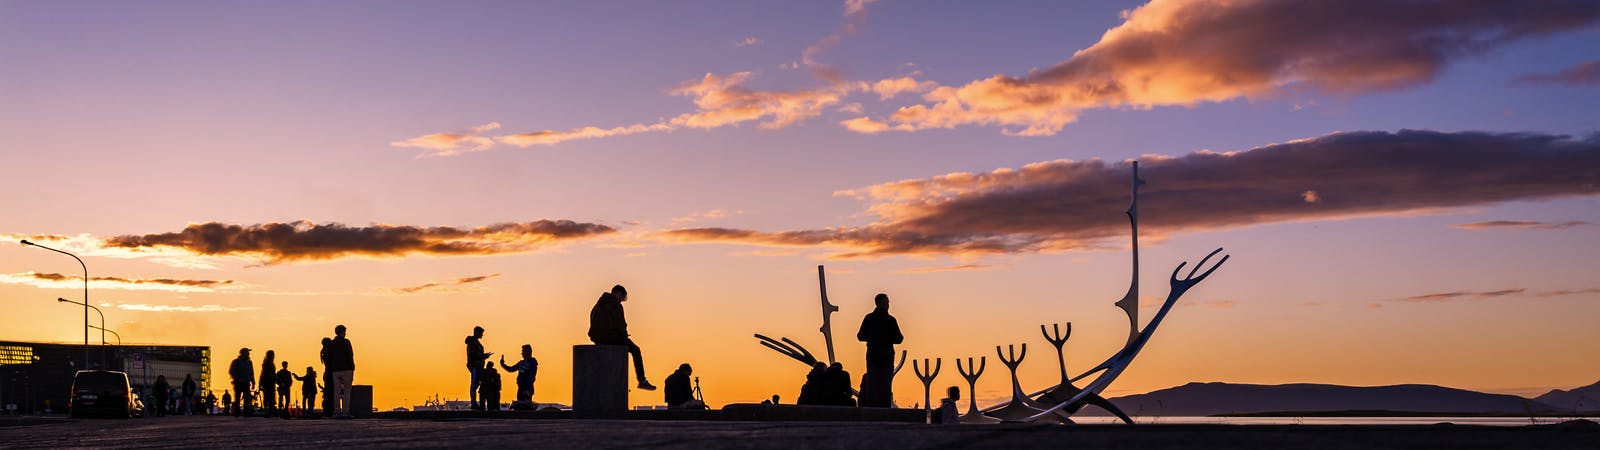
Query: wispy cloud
{"x": 1459, "y": 295}
{"x": 183, "y": 308}
{"x": 452, "y": 142}
{"x": 1583, "y": 74}
{"x": 277, "y": 242}
{"x": 955, "y": 268}
{"x": 1443, "y": 297}
{"x": 446, "y": 286}
{"x": 1523, "y": 225}
{"x": 1566, "y": 292}
{"x": 747, "y": 41}
{"x": 1069, "y": 205}
{"x": 708, "y": 215}
{"x": 1184, "y": 52}
{"x": 61, "y": 281}
{"x": 720, "y": 100}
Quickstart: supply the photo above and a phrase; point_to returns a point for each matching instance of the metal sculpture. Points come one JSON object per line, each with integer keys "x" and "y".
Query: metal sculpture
{"x": 827, "y": 309}
{"x": 1018, "y": 410}
{"x": 1058, "y": 402}
{"x": 927, "y": 376}
{"x": 1137, "y": 338}
{"x": 1065, "y": 390}
{"x": 794, "y": 350}
{"x": 790, "y": 349}
{"x": 971, "y": 374}
{"x": 1118, "y": 362}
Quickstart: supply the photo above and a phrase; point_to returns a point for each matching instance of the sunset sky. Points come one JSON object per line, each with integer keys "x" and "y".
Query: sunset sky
{"x": 1408, "y": 189}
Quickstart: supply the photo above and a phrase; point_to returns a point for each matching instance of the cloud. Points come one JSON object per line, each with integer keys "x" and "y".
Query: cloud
{"x": 306, "y": 241}
{"x": 890, "y": 87}
{"x": 955, "y": 268}
{"x": 1583, "y": 74}
{"x": 1522, "y": 225}
{"x": 855, "y": 8}
{"x": 1458, "y": 295}
{"x": 548, "y": 137}
{"x": 183, "y": 308}
{"x": 1073, "y": 205}
{"x": 725, "y": 100}
{"x": 452, "y": 142}
{"x": 1184, "y": 52}
{"x": 708, "y": 215}
{"x": 448, "y": 286}
{"x": 61, "y": 281}
{"x": 747, "y": 41}
{"x": 721, "y": 100}
{"x": 1565, "y": 292}
{"x": 864, "y": 125}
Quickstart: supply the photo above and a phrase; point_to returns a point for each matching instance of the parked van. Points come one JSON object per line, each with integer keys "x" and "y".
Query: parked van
{"x": 101, "y": 393}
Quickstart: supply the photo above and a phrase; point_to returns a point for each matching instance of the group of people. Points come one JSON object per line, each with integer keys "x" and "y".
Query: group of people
{"x": 484, "y": 384}
{"x": 167, "y": 399}
{"x": 825, "y": 384}
{"x": 608, "y": 325}
{"x": 272, "y": 388}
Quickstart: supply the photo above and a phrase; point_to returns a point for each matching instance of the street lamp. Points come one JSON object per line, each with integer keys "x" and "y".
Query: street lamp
{"x": 96, "y": 311}
{"x": 85, "y": 298}
{"x": 113, "y": 333}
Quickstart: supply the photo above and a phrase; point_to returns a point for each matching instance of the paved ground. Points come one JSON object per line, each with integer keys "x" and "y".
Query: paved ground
{"x": 196, "y": 432}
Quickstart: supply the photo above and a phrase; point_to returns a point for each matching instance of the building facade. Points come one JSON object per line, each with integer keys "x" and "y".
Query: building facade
{"x": 36, "y": 377}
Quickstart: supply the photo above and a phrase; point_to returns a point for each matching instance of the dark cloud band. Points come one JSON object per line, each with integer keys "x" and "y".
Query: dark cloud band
{"x": 1066, "y": 205}
{"x": 303, "y": 240}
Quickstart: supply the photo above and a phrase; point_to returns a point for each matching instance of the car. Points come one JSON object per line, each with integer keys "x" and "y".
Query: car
{"x": 105, "y": 393}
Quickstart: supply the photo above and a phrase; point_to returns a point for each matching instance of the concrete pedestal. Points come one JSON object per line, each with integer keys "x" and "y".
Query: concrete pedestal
{"x": 361, "y": 401}
{"x": 599, "y": 381}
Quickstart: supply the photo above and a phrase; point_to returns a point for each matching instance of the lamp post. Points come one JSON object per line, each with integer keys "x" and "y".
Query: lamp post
{"x": 113, "y": 333}
{"x": 96, "y": 311}
{"x": 85, "y": 298}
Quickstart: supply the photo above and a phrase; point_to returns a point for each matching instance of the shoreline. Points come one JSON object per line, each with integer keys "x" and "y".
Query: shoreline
{"x": 221, "y": 431}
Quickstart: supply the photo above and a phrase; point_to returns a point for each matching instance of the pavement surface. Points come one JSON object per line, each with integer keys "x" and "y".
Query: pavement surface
{"x": 213, "y": 432}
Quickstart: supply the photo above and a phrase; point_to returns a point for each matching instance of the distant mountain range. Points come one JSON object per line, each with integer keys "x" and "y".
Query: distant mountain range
{"x": 1207, "y": 399}
{"x": 1586, "y": 398}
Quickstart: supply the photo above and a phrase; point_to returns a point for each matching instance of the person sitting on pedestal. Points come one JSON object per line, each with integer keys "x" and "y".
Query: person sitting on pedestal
{"x": 608, "y": 326}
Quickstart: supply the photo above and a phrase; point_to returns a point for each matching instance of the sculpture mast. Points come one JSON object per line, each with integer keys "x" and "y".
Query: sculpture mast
{"x": 827, "y": 309}
{"x": 1130, "y": 302}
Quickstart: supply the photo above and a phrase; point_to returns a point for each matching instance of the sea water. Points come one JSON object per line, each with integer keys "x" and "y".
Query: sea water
{"x": 1494, "y": 421}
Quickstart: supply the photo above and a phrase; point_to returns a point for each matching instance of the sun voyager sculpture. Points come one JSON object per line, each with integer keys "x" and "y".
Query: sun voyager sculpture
{"x": 1057, "y": 403}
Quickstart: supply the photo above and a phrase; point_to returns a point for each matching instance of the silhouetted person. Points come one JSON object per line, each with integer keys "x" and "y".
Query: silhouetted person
{"x": 527, "y": 370}
{"x": 811, "y": 393}
{"x": 947, "y": 413}
{"x": 269, "y": 383}
{"x": 679, "y": 392}
{"x": 342, "y": 364}
{"x": 308, "y": 390}
{"x": 475, "y": 362}
{"x": 608, "y": 326}
{"x": 327, "y": 380}
{"x": 837, "y": 384}
{"x": 489, "y": 387}
{"x": 161, "y": 389}
{"x": 189, "y": 395}
{"x": 227, "y": 403}
{"x": 285, "y": 380}
{"x": 775, "y": 399}
{"x": 881, "y": 333}
{"x": 243, "y": 373}
{"x": 210, "y": 403}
